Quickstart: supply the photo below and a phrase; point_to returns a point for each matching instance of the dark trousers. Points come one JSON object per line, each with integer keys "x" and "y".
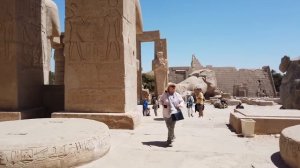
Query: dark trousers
{"x": 171, "y": 126}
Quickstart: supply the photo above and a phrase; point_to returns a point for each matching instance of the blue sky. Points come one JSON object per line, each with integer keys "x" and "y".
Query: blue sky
{"x": 241, "y": 33}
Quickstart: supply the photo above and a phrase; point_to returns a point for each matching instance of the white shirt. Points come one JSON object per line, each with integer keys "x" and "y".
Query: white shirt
{"x": 176, "y": 102}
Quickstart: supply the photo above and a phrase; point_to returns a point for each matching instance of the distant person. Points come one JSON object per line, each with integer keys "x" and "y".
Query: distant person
{"x": 171, "y": 101}
{"x": 189, "y": 104}
{"x": 240, "y": 106}
{"x": 199, "y": 107}
{"x": 145, "y": 107}
{"x": 155, "y": 105}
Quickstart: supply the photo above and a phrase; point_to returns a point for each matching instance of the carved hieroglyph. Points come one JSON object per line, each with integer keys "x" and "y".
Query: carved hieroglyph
{"x": 52, "y": 142}
{"x": 100, "y": 48}
{"x": 21, "y": 73}
{"x": 50, "y": 30}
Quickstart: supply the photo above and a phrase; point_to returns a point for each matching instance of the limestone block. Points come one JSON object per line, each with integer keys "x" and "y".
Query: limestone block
{"x": 54, "y": 143}
{"x": 233, "y": 102}
{"x": 290, "y": 146}
{"x": 10, "y": 116}
{"x": 113, "y": 120}
{"x": 226, "y": 96}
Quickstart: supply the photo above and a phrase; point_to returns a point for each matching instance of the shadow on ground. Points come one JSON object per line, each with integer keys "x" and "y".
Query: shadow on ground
{"x": 277, "y": 160}
{"x": 159, "y": 119}
{"x": 161, "y": 144}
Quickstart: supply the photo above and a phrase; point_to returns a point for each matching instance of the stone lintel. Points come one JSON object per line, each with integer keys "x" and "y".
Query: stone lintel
{"x": 149, "y": 36}
{"x": 113, "y": 120}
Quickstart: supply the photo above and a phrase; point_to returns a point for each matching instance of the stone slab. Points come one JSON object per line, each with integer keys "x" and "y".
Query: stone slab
{"x": 23, "y": 114}
{"x": 233, "y": 102}
{"x": 269, "y": 112}
{"x": 290, "y": 146}
{"x": 266, "y": 122}
{"x": 52, "y": 143}
{"x": 10, "y": 116}
{"x": 113, "y": 120}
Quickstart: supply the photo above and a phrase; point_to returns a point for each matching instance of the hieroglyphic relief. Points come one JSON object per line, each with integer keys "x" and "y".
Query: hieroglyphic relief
{"x": 37, "y": 155}
{"x": 7, "y": 28}
{"x": 113, "y": 27}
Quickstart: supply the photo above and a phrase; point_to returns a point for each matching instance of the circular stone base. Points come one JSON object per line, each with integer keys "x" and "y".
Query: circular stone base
{"x": 290, "y": 146}
{"x": 52, "y": 143}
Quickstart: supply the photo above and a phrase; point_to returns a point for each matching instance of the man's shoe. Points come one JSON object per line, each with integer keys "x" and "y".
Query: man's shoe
{"x": 169, "y": 143}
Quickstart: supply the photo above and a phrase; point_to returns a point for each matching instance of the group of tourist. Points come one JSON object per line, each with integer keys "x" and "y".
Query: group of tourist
{"x": 172, "y": 103}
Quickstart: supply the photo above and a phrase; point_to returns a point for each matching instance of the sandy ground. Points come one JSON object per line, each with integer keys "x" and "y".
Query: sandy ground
{"x": 201, "y": 143}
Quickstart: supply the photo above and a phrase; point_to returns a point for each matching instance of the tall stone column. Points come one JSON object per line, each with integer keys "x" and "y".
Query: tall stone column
{"x": 100, "y": 69}
{"x": 21, "y": 66}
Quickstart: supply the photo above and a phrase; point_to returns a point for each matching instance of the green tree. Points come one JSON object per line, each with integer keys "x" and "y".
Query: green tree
{"x": 148, "y": 81}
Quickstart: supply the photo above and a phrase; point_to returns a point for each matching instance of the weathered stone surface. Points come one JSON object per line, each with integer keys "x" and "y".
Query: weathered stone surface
{"x": 204, "y": 79}
{"x": 268, "y": 120}
{"x": 290, "y": 85}
{"x": 10, "y": 116}
{"x": 54, "y": 143}
{"x": 21, "y": 66}
{"x": 59, "y": 58}
{"x": 100, "y": 48}
{"x": 233, "y": 102}
{"x": 160, "y": 68}
{"x": 256, "y": 81}
{"x": 226, "y": 95}
{"x": 114, "y": 121}
{"x": 290, "y": 146}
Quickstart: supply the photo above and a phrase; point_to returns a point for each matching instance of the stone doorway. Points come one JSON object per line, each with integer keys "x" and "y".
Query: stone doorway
{"x": 159, "y": 63}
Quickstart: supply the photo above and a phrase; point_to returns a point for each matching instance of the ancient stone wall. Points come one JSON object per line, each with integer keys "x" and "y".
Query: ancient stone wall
{"x": 257, "y": 80}
{"x": 21, "y": 70}
{"x": 100, "y": 56}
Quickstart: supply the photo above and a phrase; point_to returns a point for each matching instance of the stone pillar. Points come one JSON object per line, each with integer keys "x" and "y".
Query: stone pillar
{"x": 21, "y": 68}
{"x": 100, "y": 69}
{"x": 139, "y": 71}
{"x": 59, "y": 58}
{"x": 160, "y": 66}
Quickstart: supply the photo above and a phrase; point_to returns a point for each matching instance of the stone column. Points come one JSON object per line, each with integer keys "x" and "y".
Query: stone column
{"x": 59, "y": 58}
{"x": 100, "y": 69}
{"x": 139, "y": 72}
{"x": 21, "y": 66}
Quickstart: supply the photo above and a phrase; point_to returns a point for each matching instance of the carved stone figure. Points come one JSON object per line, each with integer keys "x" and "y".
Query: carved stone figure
{"x": 113, "y": 23}
{"x": 50, "y": 30}
{"x": 290, "y": 85}
{"x": 160, "y": 68}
